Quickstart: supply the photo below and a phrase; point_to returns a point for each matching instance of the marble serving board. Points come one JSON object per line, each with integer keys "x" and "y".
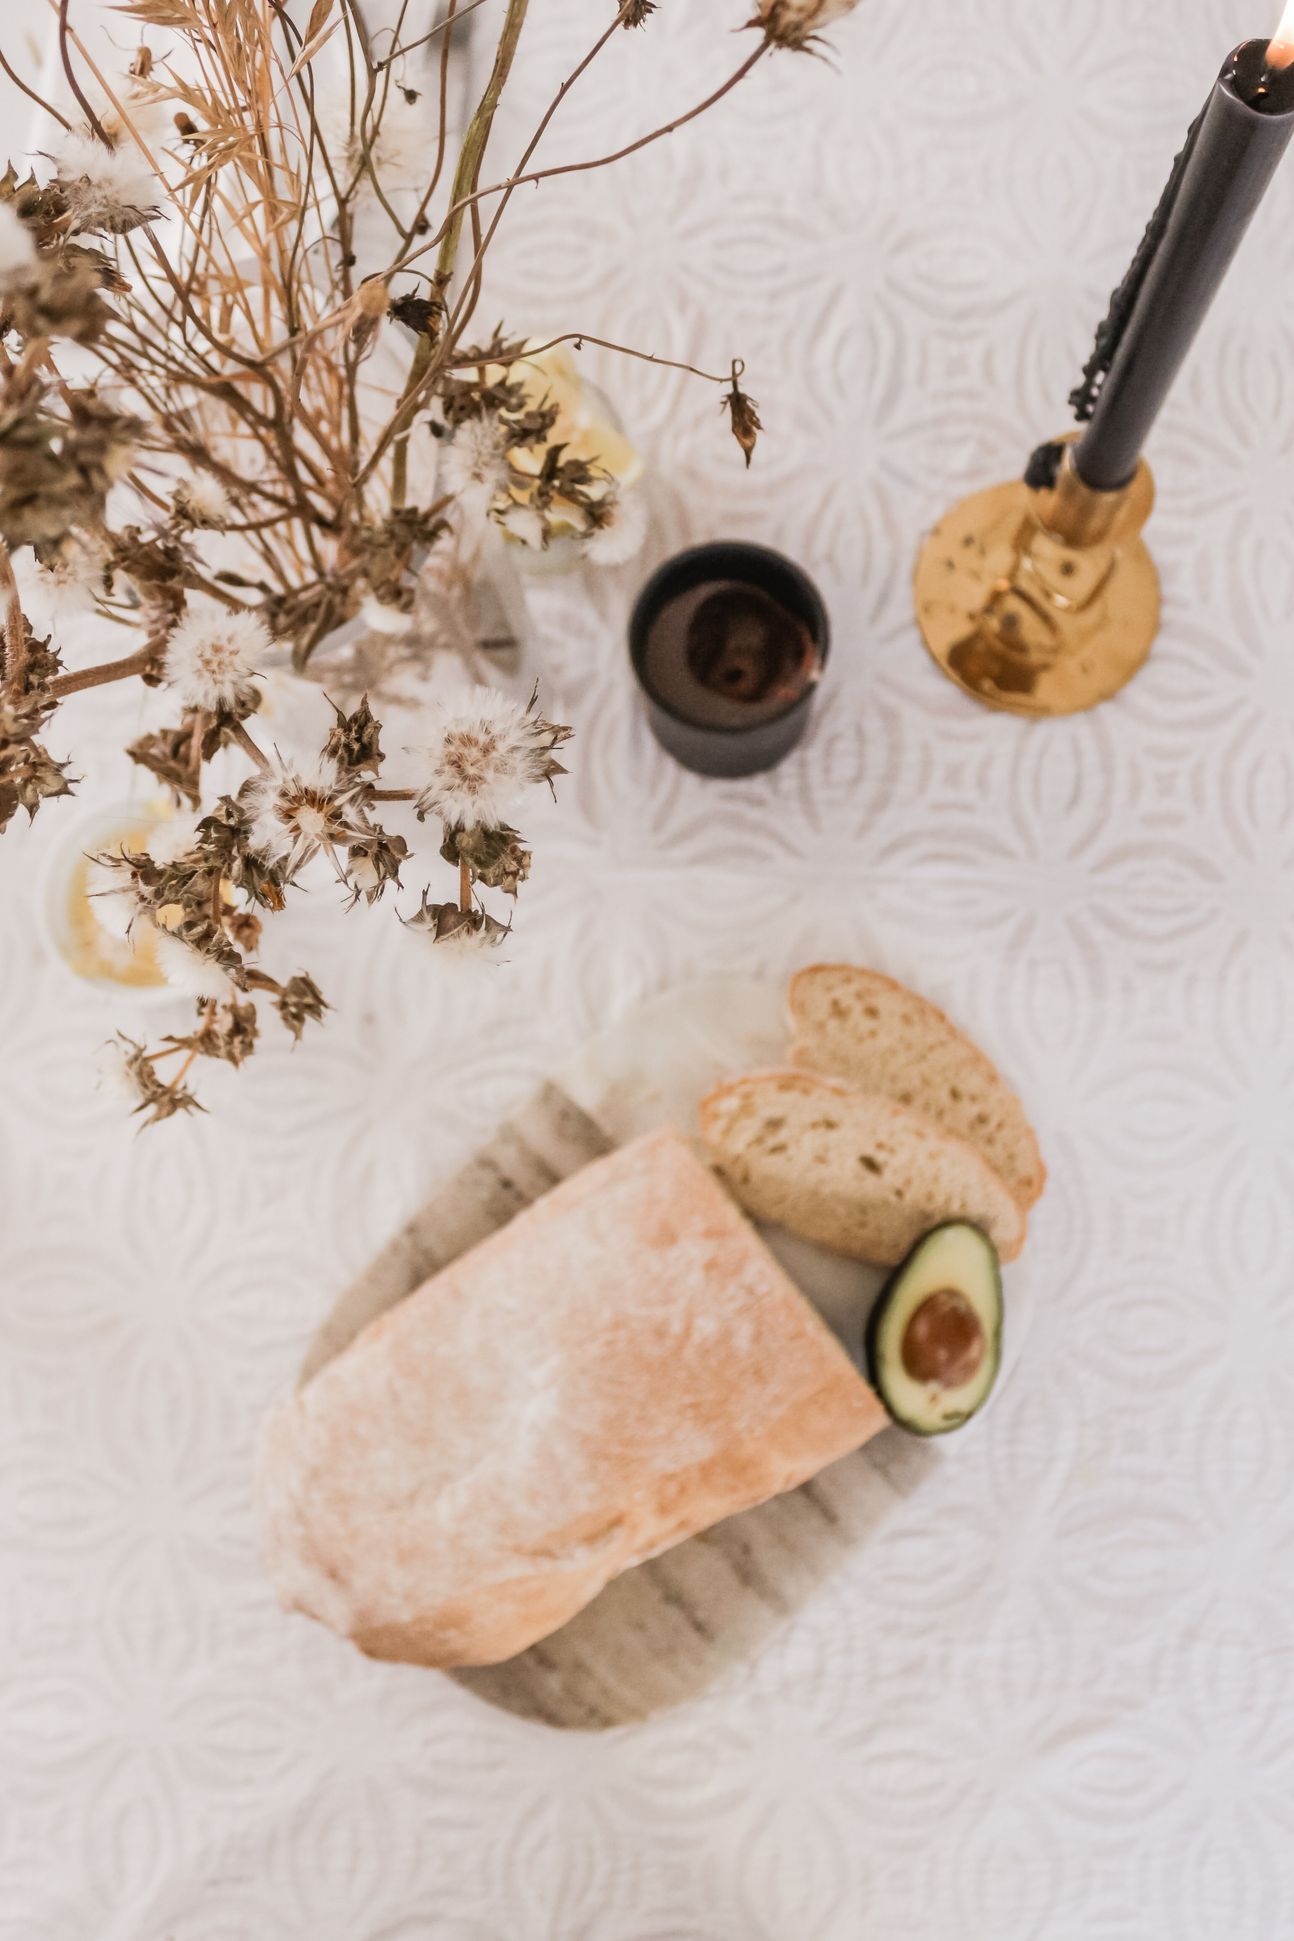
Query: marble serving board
{"x": 665, "y": 1631}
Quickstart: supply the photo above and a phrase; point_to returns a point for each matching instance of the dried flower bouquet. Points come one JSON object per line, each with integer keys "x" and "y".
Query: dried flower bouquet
{"x": 242, "y": 402}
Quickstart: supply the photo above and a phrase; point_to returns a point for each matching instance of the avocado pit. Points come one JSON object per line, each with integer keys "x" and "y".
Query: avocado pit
{"x": 944, "y": 1342}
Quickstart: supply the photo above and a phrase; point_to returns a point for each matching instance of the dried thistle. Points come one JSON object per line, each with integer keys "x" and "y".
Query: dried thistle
{"x": 300, "y": 1002}
{"x": 174, "y": 757}
{"x": 486, "y": 750}
{"x": 106, "y": 190}
{"x": 356, "y": 740}
{"x": 225, "y": 837}
{"x": 423, "y": 315}
{"x": 797, "y": 23}
{"x": 743, "y": 413}
{"x": 212, "y": 658}
{"x": 202, "y": 502}
{"x": 295, "y": 813}
{"x": 371, "y": 863}
{"x": 496, "y": 857}
{"x": 225, "y": 1031}
{"x": 458, "y": 931}
{"x": 29, "y": 774}
{"x": 364, "y": 314}
{"x": 243, "y": 329}
{"x": 127, "y": 1071}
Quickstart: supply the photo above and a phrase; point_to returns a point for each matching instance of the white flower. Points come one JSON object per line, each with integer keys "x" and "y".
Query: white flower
{"x": 383, "y": 618}
{"x": 202, "y": 500}
{"x": 146, "y": 117}
{"x": 17, "y": 250}
{"x": 113, "y": 903}
{"x": 524, "y": 523}
{"x": 115, "y": 1072}
{"x": 793, "y": 23}
{"x": 188, "y": 969}
{"x": 472, "y": 943}
{"x": 474, "y": 464}
{"x": 622, "y": 537}
{"x": 65, "y": 584}
{"x": 296, "y": 813}
{"x": 211, "y": 657}
{"x": 170, "y": 839}
{"x": 106, "y": 188}
{"x": 487, "y": 749}
{"x": 401, "y": 149}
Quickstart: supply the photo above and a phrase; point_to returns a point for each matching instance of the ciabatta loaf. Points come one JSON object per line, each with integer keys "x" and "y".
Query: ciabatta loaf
{"x": 849, "y": 1169}
{"x": 621, "y": 1366}
{"x": 856, "y": 1025}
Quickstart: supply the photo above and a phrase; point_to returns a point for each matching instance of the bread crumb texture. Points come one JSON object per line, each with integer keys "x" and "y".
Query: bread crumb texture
{"x": 856, "y": 1025}
{"x": 854, "y": 1171}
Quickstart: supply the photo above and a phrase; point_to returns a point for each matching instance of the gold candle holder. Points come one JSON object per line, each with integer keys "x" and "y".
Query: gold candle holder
{"x": 1041, "y": 601}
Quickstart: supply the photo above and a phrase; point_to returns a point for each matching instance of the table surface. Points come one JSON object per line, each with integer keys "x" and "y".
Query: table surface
{"x": 1053, "y": 1700}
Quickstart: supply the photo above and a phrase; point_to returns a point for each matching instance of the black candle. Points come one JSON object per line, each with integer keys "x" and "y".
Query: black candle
{"x": 728, "y": 642}
{"x": 1219, "y": 179}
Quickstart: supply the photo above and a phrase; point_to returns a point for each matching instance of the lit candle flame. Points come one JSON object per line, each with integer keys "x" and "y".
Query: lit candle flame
{"x": 1281, "y": 51}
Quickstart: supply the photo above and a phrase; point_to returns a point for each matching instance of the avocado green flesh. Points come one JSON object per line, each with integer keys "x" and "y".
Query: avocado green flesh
{"x": 957, "y": 1256}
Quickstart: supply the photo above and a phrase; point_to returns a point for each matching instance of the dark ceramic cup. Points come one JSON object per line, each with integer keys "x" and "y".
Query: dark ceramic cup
{"x": 681, "y": 714}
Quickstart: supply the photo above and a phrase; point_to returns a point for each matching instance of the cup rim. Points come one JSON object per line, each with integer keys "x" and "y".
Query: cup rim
{"x": 96, "y": 821}
{"x": 650, "y": 593}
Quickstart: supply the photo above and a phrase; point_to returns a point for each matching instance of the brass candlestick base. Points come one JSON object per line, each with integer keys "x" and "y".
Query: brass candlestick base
{"x": 1041, "y": 602}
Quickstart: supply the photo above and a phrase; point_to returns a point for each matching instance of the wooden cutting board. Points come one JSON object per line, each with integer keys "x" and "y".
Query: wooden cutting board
{"x": 668, "y": 1629}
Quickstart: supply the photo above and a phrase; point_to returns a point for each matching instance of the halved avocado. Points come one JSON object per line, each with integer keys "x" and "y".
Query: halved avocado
{"x": 934, "y": 1339}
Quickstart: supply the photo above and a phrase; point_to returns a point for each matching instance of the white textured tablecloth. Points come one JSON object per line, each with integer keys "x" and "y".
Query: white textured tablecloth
{"x": 1054, "y": 1701}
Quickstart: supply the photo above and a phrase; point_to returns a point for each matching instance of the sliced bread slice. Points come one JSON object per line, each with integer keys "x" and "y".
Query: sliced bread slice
{"x": 852, "y": 1170}
{"x": 856, "y": 1025}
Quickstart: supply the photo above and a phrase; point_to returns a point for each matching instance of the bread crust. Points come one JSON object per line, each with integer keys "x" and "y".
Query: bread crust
{"x": 621, "y": 1366}
{"x": 1026, "y": 1173}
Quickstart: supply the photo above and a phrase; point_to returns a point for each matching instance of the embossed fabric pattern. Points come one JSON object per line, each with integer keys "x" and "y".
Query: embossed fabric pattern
{"x": 1053, "y": 1700}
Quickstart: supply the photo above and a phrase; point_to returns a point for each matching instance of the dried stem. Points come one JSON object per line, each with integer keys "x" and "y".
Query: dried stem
{"x": 442, "y": 122}
{"x": 249, "y": 747}
{"x": 47, "y": 107}
{"x": 100, "y": 676}
{"x": 441, "y": 27}
{"x": 15, "y": 627}
{"x": 243, "y": 329}
{"x": 92, "y": 120}
{"x": 483, "y": 242}
{"x": 469, "y": 163}
{"x": 581, "y": 337}
{"x": 512, "y": 182}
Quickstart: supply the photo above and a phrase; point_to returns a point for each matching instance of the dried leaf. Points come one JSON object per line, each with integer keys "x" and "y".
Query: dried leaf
{"x": 300, "y": 1002}
{"x": 743, "y": 413}
{"x": 318, "y": 16}
{"x": 311, "y": 48}
{"x": 163, "y": 13}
